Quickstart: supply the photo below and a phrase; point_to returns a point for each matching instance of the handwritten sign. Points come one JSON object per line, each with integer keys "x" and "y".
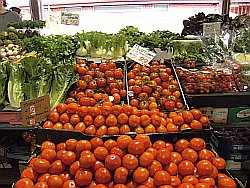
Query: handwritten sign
{"x": 35, "y": 110}
{"x": 140, "y": 55}
{"x": 69, "y": 19}
{"x": 211, "y": 28}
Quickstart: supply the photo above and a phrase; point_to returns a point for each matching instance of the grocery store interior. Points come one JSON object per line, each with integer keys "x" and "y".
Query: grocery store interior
{"x": 125, "y": 94}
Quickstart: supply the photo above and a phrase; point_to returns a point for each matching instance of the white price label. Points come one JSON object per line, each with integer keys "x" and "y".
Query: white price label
{"x": 211, "y": 28}
{"x": 140, "y": 55}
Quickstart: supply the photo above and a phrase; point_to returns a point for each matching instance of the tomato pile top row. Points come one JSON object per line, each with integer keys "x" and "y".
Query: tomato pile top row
{"x": 126, "y": 163}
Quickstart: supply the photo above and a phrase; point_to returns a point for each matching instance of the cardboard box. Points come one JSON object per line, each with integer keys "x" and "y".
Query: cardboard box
{"x": 215, "y": 115}
{"x": 238, "y": 114}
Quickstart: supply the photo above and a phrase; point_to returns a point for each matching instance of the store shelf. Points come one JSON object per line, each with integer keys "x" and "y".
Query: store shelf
{"x": 219, "y": 100}
{"x": 11, "y": 127}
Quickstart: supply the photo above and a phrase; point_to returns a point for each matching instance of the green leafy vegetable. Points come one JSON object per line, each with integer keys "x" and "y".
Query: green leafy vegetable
{"x": 63, "y": 77}
{"x": 3, "y": 82}
{"x": 38, "y": 77}
{"x": 15, "y": 84}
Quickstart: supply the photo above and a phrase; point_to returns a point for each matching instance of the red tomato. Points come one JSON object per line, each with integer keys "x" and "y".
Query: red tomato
{"x": 181, "y": 144}
{"x": 189, "y": 154}
{"x": 71, "y": 144}
{"x": 24, "y": 183}
{"x": 29, "y": 173}
{"x": 49, "y": 155}
{"x": 118, "y": 151}
{"x": 70, "y": 184}
{"x": 83, "y": 145}
{"x": 197, "y": 144}
{"x": 146, "y": 158}
{"x": 87, "y": 161}
{"x": 43, "y": 177}
{"x": 55, "y": 181}
{"x": 154, "y": 167}
{"x": 226, "y": 182}
{"x": 209, "y": 181}
{"x": 140, "y": 175}
{"x": 109, "y": 144}
{"x": 186, "y": 167}
{"x": 102, "y": 175}
{"x": 162, "y": 178}
{"x": 47, "y": 145}
{"x": 176, "y": 157}
{"x": 101, "y": 153}
{"x": 95, "y": 142}
{"x": 163, "y": 156}
{"x": 41, "y": 166}
{"x": 186, "y": 185}
{"x": 121, "y": 175}
{"x": 136, "y": 147}
{"x": 130, "y": 162}
{"x": 74, "y": 167}
{"x": 219, "y": 163}
{"x": 68, "y": 157}
{"x": 190, "y": 179}
{"x": 41, "y": 185}
{"x": 206, "y": 154}
{"x": 112, "y": 162}
{"x": 83, "y": 177}
{"x": 171, "y": 168}
{"x": 204, "y": 167}
{"x": 57, "y": 167}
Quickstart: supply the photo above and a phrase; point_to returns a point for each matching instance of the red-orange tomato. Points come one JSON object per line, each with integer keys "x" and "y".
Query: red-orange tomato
{"x": 111, "y": 120}
{"x": 41, "y": 166}
{"x": 204, "y": 121}
{"x": 102, "y": 175}
{"x": 176, "y": 157}
{"x": 202, "y": 185}
{"x": 65, "y": 176}
{"x": 130, "y": 162}
{"x": 47, "y": 145}
{"x": 171, "y": 168}
{"x": 226, "y": 182}
{"x": 136, "y": 147}
{"x": 48, "y": 124}
{"x": 121, "y": 175}
{"x": 159, "y": 144}
{"x": 219, "y": 163}
{"x": 118, "y": 151}
{"x": 175, "y": 181}
{"x": 87, "y": 161}
{"x": 197, "y": 144}
{"x": 68, "y": 157}
{"x": 55, "y": 181}
{"x": 71, "y": 144}
{"x": 57, "y": 167}
{"x": 189, "y": 154}
{"x": 162, "y": 178}
{"x": 70, "y": 184}
{"x": 181, "y": 144}
{"x": 49, "y": 155}
{"x": 83, "y": 145}
{"x": 41, "y": 185}
{"x": 187, "y": 116}
{"x": 134, "y": 121}
{"x": 204, "y": 167}
{"x": 61, "y": 108}
{"x": 190, "y": 179}
{"x": 80, "y": 127}
{"x": 24, "y": 183}
{"x": 54, "y": 116}
{"x": 74, "y": 167}
{"x": 163, "y": 156}
{"x": 112, "y": 162}
{"x": 83, "y": 177}
{"x": 43, "y": 177}
{"x": 146, "y": 158}
{"x": 154, "y": 167}
{"x": 209, "y": 181}
{"x": 109, "y": 144}
{"x": 145, "y": 139}
{"x": 196, "y": 125}
{"x": 196, "y": 113}
{"x": 95, "y": 142}
{"x": 29, "y": 173}
{"x": 206, "y": 154}
{"x": 140, "y": 175}
{"x": 123, "y": 141}
{"x": 101, "y": 153}
{"x": 186, "y": 167}
{"x": 122, "y": 118}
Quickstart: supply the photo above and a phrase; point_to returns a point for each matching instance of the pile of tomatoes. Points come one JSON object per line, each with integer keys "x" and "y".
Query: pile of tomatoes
{"x": 154, "y": 87}
{"x": 98, "y": 81}
{"x": 114, "y": 119}
{"x": 125, "y": 163}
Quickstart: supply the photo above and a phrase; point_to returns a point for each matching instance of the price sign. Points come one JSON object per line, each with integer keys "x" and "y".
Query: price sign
{"x": 69, "y": 19}
{"x": 35, "y": 110}
{"x": 211, "y": 28}
{"x": 140, "y": 55}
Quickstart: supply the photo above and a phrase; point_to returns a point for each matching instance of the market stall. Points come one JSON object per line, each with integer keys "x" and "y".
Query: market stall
{"x": 129, "y": 109}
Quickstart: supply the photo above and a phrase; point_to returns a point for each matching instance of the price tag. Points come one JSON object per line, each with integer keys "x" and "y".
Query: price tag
{"x": 130, "y": 93}
{"x": 211, "y": 28}
{"x": 111, "y": 98}
{"x": 140, "y": 55}
{"x": 35, "y": 110}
